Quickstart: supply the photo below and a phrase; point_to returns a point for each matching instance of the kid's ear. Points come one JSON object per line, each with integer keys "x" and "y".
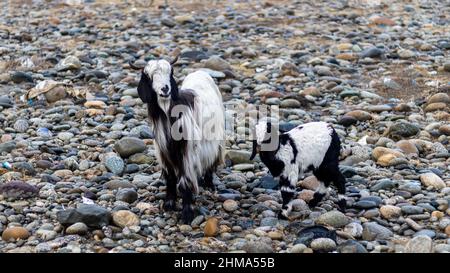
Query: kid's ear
{"x": 254, "y": 150}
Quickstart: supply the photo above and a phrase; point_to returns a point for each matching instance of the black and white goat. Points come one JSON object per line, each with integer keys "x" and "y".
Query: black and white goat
{"x": 188, "y": 124}
{"x": 313, "y": 146}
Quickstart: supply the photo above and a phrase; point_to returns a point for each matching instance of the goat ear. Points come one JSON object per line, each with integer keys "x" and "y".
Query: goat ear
{"x": 254, "y": 152}
{"x": 145, "y": 88}
{"x": 173, "y": 86}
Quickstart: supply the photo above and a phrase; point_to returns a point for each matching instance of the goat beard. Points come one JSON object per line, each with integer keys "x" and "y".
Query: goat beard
{"x": 164, "y": 103}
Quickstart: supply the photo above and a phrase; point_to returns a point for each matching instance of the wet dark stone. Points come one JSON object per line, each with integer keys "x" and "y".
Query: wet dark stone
{"x": 268, "y": 182}
{"x": 348, "y": 171}
{"x": 194, "y": 55}
{"x": 286, "y": 126}
{"x": 19, "y": 77}
{"x": 18, "y": 190}
{"x": 347, "y": 121}
{"x": 90, "y": 195}
{"x": 92, "y": 215}
{"x": 372, "y": 52}
{"x": 244, "y": 223}
{"x": 308, "y": 234}
{"x": 365, "y": 204}
{"x": 132, "y": 168}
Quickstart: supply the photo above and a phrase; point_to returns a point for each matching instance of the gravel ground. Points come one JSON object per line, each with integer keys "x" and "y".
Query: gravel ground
{"x": 78, "y": 170}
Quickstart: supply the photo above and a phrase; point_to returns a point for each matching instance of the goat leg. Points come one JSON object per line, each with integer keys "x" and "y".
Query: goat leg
{"x": 187, "y": 214}
{"x": 171, "y": 191}
{"x": 207, "y": 181}
{"x": 287, "y": 194}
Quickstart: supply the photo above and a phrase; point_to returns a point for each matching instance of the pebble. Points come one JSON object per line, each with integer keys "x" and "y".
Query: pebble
{"x": 365, "y": 204}
{"x": 185, "y": 229}
{"x": 128, "y": 146}
{"x": 298, "y": 248}
{"x": 21, "y": 126}
{"x": 18, "y": 190}
{"x": 383, "y": 185}
{"x": 7, "y": 146}
{"x": 69, "y": 63}
{"x": 390, "y": 212}
{"x": 354, "y": 229}
{"x": 257, "y": 247}
{"x": 77, "y": 228}
{"x": 230, "y": 205}
{"x": 211, "y": 227}
{"x": 407, "y": 147}
{"x": 46, "y": 235}
{"x": 387, "y": 157}
{"x": 442, "y": 248}
{"x": 197, "y": 221}
{"x": 373, "y": 231}
{"x": 402, "y": 130}
{"x": 419, "y": 244}
{"x": 411, "y": 187}
{"x": 125, "y": 218}
{"x": 5, "y": 102}
{"x": 117, "y": 184}
{"x": 351, "y": 246}
{"x": 372, "y": 52}
{"x": 19, "y": 77}
{"x": 359, "y": 115}
{"x": 15, "y": 233}
{"x": 92, "y": 215}
{"x": 439, "y": 98}
{"x": 333, "y": 218}
{"x": 426, "y": 232}
{"x": 268, "y": 182}
{"x": 275, "y": 235}
{"x": 432, "y": 180}
{"x": 217, "y": 63}
{"x": 323, "y": 245}
{"x": 310, "y": 183}
{"x": 238, "y": 156}
{"x": 114, "y": 164}
{"x": 408, "y": 209}
{"x": 269, "y": 222}
{"x": 127, "y": 195}
{"x": 65, "y": 136}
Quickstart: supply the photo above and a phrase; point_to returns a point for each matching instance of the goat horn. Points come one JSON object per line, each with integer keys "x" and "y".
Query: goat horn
{"x": 176, "y": 54}
{"x": 134, "y": 67}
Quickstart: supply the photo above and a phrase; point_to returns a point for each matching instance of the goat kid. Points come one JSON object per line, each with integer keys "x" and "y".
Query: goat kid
{"x": 313, "y": 146}
{"x": 189, "y": 130}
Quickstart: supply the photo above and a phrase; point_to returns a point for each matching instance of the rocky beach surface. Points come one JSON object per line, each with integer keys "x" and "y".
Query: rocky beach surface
{"x": 78, "y": 171}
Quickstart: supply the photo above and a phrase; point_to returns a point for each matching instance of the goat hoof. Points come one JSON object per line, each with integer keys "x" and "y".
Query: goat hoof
{"x": 169, "y": 205}
{"x": 187, "y": 215}
{"x": 342, "y": 204}
{"x": 281, "y": 216}
{"x": 313, "y": 204}
{"x": 211, "y": 188}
